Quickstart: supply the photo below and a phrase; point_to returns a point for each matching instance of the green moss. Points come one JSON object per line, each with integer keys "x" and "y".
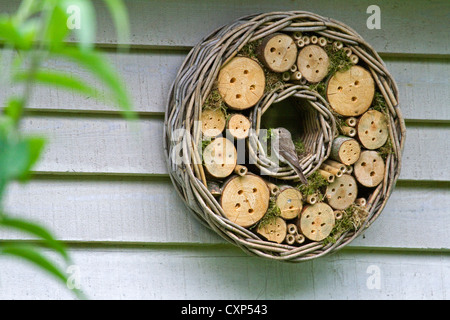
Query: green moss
{"x": 316, "y": 184}
{"x": 214, "y": 101}
{"x": 272, "y": 213}
{"x": 386, "y": 149}
{"x": 338, "y": 60}
{"x": 352, "y": 219}
{"x": 299, "y": 146}
{"x": 379, "y": 103}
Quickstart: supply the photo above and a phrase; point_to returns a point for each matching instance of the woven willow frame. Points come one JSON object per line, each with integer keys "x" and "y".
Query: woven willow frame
{"x": 191, "y": 87}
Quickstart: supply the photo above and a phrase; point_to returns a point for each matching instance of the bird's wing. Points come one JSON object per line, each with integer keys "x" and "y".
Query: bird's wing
{"x": 287, "y": 151}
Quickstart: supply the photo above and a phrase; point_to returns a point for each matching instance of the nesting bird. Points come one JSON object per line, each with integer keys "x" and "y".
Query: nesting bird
{"x": 284, "y": 149}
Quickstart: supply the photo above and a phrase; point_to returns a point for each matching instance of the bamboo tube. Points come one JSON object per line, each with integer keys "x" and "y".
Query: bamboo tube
{"x": 274, "y": 190}
{"x": 293, "y": 68}
{"x": 314, "y": 39}
{"x": 299, "y": 238}
{"x": 300, "y": 43}
{"x": 349, "y": 169}
{"x": 328, "y": 176}
{"x": 297, "y": 35}
{"x": 292, "y": 229}
{"x": 333, "y": 170}
{"x": 351, "y": 121}
{"x": 338, "y": 45}
{"x": 240, "y": 170}
{"x": 296, "y": 76}
{"x": 354, "y": 58}
{"x": 347, "y": 51}
{"x": 338, "y": 214}
{"x": 322, "y": 41}
{"x": 306, "y": 40}
{"x": 361, "y": 202}
{"x": 342, "y": 167}
{"x": 290, "y": 239}
{"x": 286, "y": 76}
{"x": 312, "y": 198}
{"x": 348, "y": 131}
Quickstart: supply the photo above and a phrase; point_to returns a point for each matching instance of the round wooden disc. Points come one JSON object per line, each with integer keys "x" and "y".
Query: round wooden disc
{"x": 213, "y": 122}
{"x": 245, "y": 199}
{"x": 346, "y": 150}
{"x": 317, "y": 221}
{"x": 369, "y": 169}
{"x": 313, "y": 63}
{"x": 351, "y": 92}
{"x": 373, "y": 129}
{"x": 274, "y": 231}
{"x": 290, "y": 203}
{"x": 220, "y": 157}
{"x": 342, "y": 192}
{"x": 241, "y": 83}
{"x": 278, "y": 52}
{"x": 239, "y": 126}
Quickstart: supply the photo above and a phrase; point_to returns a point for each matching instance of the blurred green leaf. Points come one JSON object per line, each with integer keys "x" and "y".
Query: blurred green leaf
{"x": 36, "y": 230}
{"x": 30, "y": 254}
{"x": 118, "y": 12}
{"x": 56, "y": 29}
{"x": 62, "y": 80}
{"x": 13, "y": 35}
{"x": 14, "y": 109}
{"x": 98, "y": 66}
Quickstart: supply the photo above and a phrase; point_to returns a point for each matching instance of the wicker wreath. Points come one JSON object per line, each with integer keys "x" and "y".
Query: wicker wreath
{"x": 323, "y": 127}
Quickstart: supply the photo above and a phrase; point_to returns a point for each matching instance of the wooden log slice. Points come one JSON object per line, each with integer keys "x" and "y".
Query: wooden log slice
{"x": 350, "y": 93}
{"x": 275, "y": 230}
{"x": 239, "y": 126}
{"x": 277, "y": 52}
{"x": 241, "y": 83}
{"x": 313, "y": 63}
{"x": 316, "y": 221}
{"x": 213, "y": 122}
{"x": 245, "y": 199}
{"x": 220, "y": 158}
{"x": 373, "y": 129}
{"x": 290, "y": 203}
{"x": 342, "y": 193}
{"x": 345, "y": 150}
{"x": 369, "y": 169}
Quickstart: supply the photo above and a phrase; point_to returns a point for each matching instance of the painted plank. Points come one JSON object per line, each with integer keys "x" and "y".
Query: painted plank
{"x": 148, "y": 75}
{"x": 222, "y": 273}
{"x": 405, "y": 27}
{"x": 110, "y": 145}
{"x": 150, "y": 211}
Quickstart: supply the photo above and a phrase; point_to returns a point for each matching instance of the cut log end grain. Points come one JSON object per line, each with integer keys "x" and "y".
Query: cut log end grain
{"x": 342, "y": 192}
{"x": 345, "y": 150}
{"x": 369, "y": 169}
{"x": 373, "y": 129}
{"x": 212, "y": 122}
{"x": 350, "y": 93}
{"x": 238, "y": 126}
{"x": 275, "y": 230}
{"x": 316, "y": 221}
{"x": 241, "y": 83}
{"x": 277, "y": 52}
{"x": 220, "y": 157}
{"x": 245, "y": 199}
{"x": 290, "y": 203}
{"x": 313, "y": 63}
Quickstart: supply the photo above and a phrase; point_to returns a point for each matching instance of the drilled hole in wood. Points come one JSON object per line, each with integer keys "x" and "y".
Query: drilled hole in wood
{"x": 245, "y": 71}
{"x": 322, "y": 224}
{"x": 255, "y": 190}
{"x": 363, "y": 164}
{"x": 339, "y": 88}
{"x": 252, "y": 87}
{"x": 250, "y": 210}
{"x": 308, "y": 66}
{"x": 272, "y": 49}
{"x": 238, "y": 96}
{"x": 372, "y": 173}
{"x": 240, "y": 192}
{"x": 237, "y": 206}
{"x": 354, "y": 99}
{"x": 356, "y": 82}
{"x": 310, "y": 55}
{"x": 232, "y": 80}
